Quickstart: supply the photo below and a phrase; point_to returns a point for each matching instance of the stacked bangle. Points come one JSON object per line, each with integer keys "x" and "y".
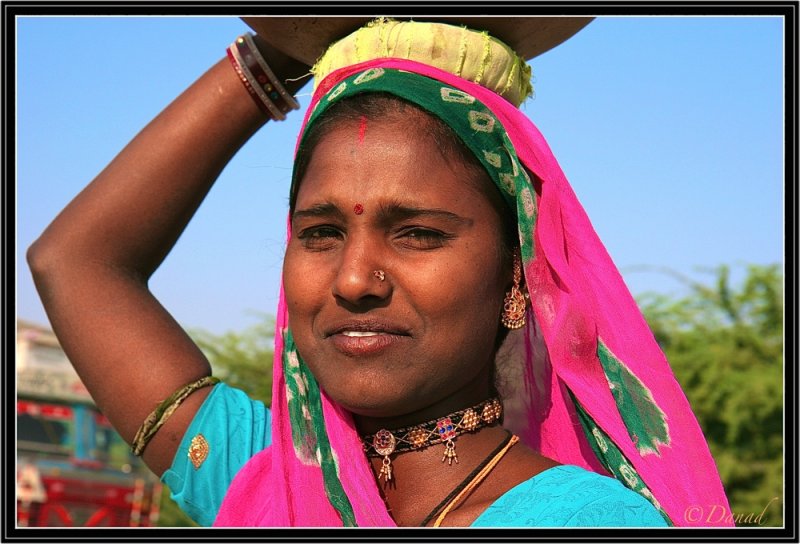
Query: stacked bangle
{"x": 265, "y": 89}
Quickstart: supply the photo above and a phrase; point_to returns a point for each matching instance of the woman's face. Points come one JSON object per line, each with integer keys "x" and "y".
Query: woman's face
{"x": 378, "y": 195}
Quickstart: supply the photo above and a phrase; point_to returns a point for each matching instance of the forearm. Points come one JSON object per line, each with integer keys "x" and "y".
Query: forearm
{"x": 91, "y": 265}
{"x": 130, "y": 216}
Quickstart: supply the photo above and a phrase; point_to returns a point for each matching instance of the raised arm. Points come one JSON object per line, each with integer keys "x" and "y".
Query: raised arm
{"x": 92, "y": 264}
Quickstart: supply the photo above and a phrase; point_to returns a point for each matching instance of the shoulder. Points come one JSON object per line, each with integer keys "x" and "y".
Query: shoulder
{"x": 226, "y": 432}
{"x": 570, "y": 496}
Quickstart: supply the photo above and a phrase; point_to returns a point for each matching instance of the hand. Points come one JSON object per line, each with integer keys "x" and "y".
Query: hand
{"x": 285, "y": 67}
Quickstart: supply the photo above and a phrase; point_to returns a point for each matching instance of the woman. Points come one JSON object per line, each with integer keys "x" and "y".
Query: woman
{"x": 436, "y": 259}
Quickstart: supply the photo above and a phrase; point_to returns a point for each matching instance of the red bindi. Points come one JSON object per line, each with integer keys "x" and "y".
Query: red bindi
{"x": 358, "y": 209}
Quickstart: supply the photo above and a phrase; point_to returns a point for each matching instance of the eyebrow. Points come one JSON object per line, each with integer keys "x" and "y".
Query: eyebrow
{"x": 387, "y": 213}
{"x": 398, "y": 212}
{"x": 326, "y": 209}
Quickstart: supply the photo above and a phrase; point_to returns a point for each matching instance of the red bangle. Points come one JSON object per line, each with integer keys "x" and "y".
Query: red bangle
{"x": 274, "y": 111}
{"x": 260, "y": 81}
{"x": 246, "y": 83}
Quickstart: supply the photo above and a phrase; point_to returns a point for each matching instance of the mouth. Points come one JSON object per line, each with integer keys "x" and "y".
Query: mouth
{"x": 362, "y": 328}
{"x": 366, "y": 337}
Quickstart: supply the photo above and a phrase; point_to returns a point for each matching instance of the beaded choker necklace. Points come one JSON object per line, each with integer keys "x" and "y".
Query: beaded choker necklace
{"x": 436, "y": 431}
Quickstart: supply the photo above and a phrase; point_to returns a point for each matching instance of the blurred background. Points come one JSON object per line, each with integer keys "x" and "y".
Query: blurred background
{"x": 669, "y": 128}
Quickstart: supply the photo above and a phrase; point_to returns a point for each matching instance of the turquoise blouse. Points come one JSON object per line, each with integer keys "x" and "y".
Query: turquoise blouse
{"x": 236, "y": 427}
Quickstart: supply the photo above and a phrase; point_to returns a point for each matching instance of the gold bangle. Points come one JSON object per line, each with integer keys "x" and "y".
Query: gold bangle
{"x": 163, "y": 411}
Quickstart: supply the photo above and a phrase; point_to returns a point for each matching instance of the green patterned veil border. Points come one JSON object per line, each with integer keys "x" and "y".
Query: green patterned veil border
{"x": 311, "y": 444}
{"x": 613, "y": 459}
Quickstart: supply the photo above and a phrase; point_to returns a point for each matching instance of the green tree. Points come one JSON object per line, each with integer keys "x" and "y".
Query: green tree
{"x": 725, "y": 345}
{"x": 243, "y": 360}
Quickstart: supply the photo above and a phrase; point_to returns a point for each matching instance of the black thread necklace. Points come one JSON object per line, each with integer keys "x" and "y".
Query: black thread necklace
{"x": 470, "y": 477}
{"x": 436, "y": 431}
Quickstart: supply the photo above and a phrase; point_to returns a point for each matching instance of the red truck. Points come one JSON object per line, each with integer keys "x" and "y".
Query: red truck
{"x": 73, "y": 469}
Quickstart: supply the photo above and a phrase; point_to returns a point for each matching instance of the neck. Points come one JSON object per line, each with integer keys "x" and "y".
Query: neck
{"x": 474, "y": 393}
{"x": 421, "y": 480}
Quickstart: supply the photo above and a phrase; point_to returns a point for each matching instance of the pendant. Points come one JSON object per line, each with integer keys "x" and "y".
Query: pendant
{"x": 450, "y": 452}
{"x": 384, "y": 443}
{"x": 447, "y": 432}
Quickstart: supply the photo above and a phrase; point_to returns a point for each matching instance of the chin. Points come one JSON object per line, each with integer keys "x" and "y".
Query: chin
{"x": 375, "y": 406}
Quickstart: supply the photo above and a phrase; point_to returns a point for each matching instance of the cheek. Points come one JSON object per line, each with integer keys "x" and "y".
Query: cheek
{"x": 300, "y": 288}
{"x": 467, "y": 299}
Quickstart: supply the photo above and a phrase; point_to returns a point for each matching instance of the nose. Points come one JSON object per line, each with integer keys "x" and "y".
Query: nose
{"x": 362, "y": 279}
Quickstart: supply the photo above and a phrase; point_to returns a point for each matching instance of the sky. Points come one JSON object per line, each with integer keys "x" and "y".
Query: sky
{"x": 670, "y": 130}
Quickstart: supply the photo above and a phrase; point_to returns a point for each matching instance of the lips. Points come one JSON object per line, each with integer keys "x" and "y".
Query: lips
{"x": 361, "y": 338}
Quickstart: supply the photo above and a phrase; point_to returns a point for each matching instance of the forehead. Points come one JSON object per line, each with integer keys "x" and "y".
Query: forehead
{"x": 392, "y": 158}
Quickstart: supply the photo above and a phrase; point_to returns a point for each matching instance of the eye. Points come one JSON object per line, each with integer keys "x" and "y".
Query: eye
{"x": 423, "y": 238}
{"x": 320, "y": 238}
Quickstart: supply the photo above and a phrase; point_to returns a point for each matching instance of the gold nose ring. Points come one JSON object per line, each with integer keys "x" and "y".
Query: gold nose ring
{"x": 380, "y": 274}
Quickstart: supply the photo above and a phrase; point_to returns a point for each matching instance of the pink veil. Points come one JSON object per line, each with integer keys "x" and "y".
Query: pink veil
{"x": 563, "y": 373}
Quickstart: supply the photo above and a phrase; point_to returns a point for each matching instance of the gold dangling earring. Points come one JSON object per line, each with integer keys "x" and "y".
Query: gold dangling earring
{"x": 514, "y": 305}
